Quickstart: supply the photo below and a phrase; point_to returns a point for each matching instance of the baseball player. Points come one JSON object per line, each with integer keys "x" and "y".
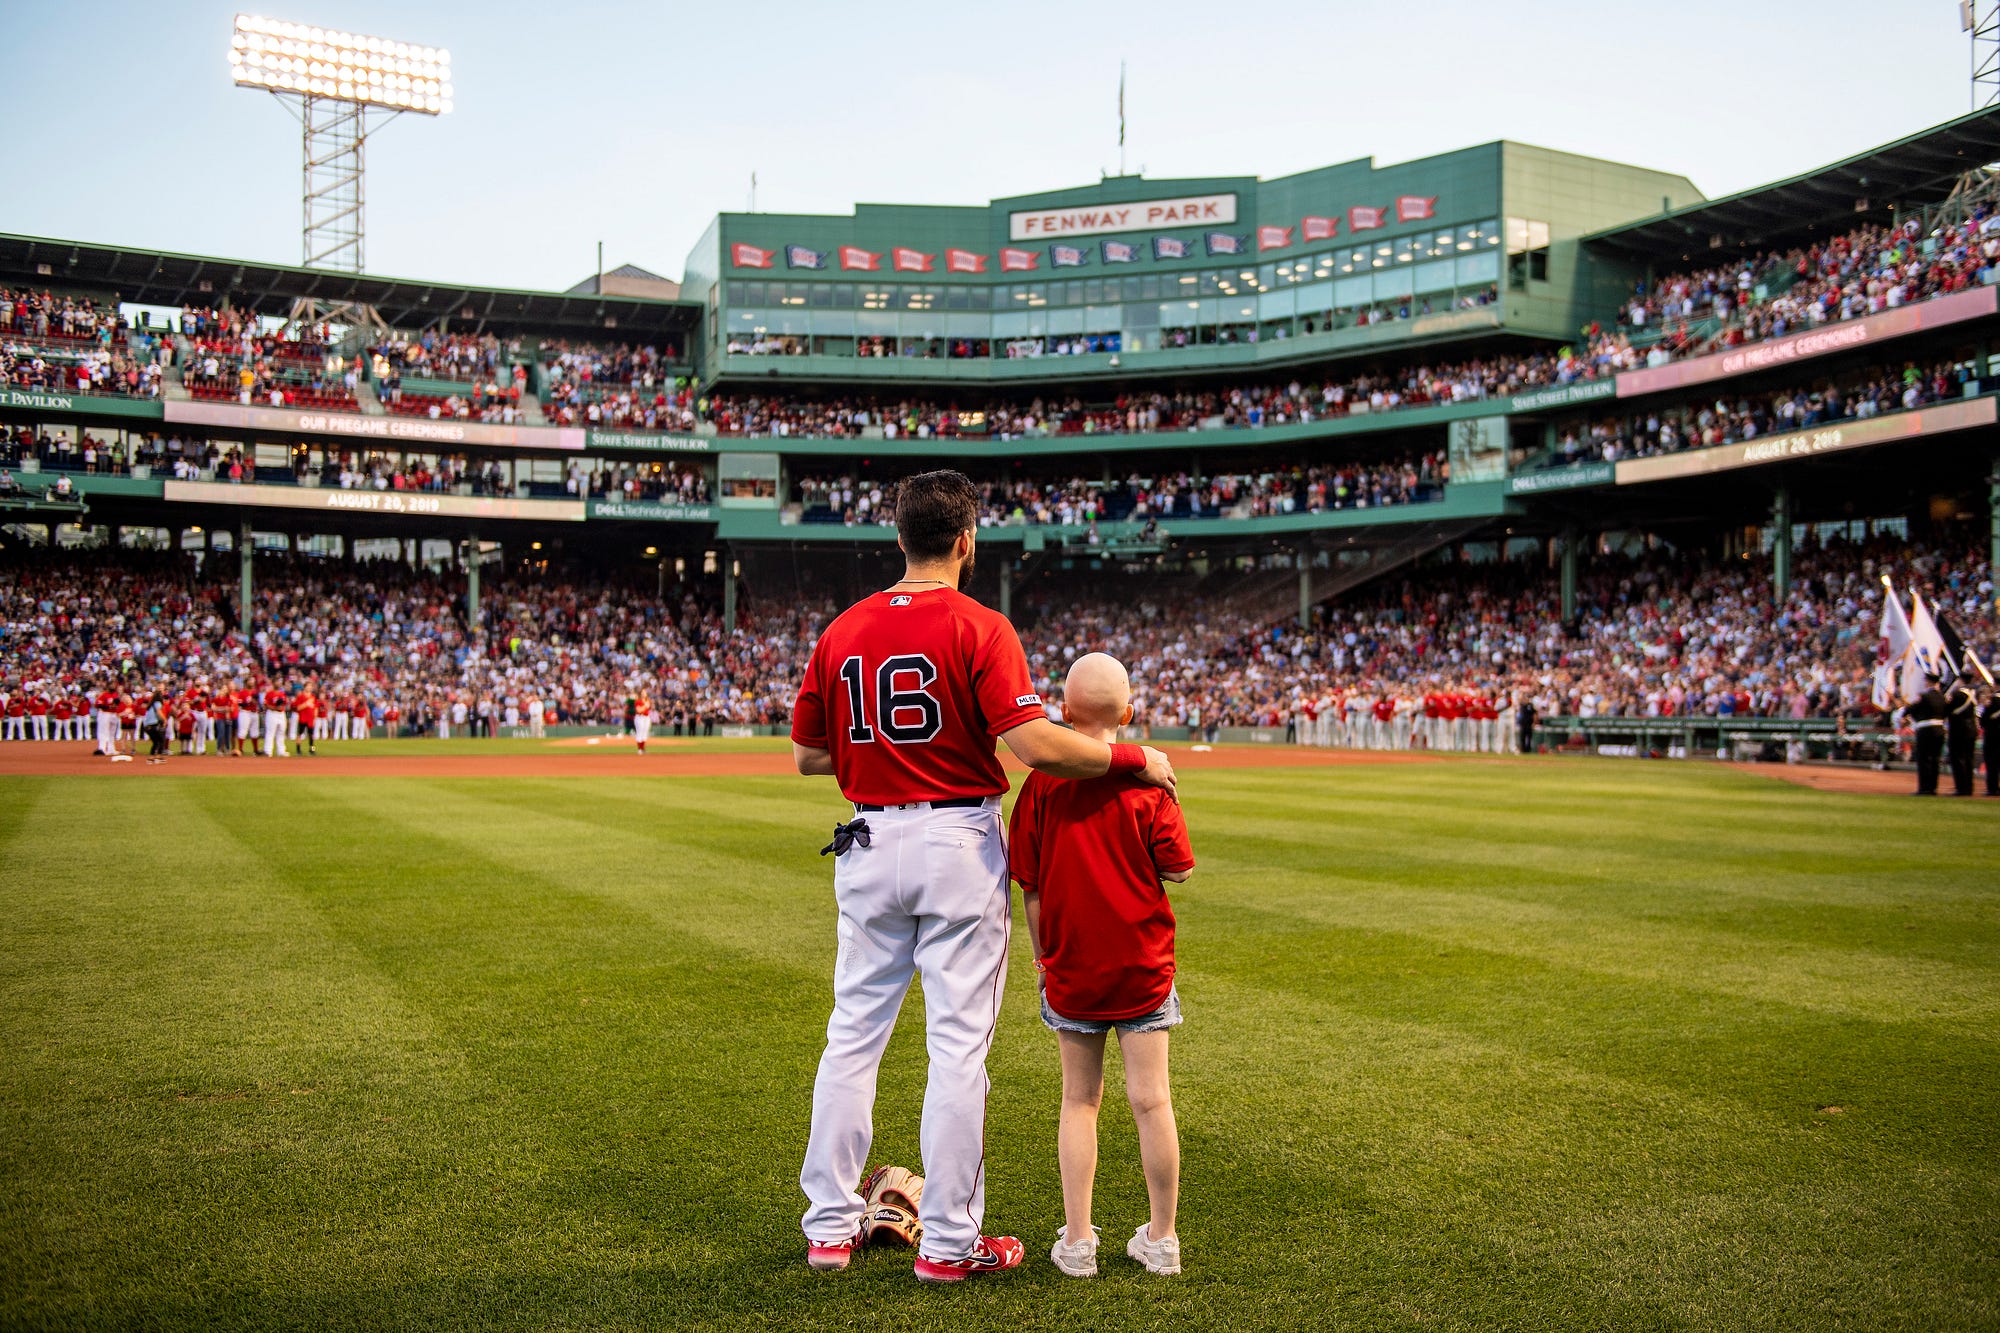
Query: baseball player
{"x": 642, "y": 719}
{"x": 276, "y": 711}
{"x": 901, "y": 702}
{"x": 107, "y": 720}
{"x": 249, "y": 704}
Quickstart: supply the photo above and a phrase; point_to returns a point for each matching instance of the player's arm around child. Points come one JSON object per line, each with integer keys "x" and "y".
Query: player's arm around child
{"x": 1090, "y": 857}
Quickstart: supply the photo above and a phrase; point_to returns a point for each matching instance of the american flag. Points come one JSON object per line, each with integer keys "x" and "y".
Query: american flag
{"x": 1120, "y": 252}
{"x": 1065, "y": 256}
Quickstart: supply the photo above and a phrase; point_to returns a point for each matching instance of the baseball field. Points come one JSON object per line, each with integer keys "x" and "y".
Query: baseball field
{"x": 1470, "y": 1045}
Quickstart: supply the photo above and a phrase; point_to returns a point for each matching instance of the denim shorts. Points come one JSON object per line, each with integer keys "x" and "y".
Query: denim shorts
{"x": 1168, "y": 1015}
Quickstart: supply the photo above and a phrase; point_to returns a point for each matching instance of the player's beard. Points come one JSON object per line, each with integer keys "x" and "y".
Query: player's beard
{"x": 965, "y": 570}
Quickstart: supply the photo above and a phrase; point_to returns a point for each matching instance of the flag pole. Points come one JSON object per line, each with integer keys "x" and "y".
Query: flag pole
{"x": 1121, "y": 118}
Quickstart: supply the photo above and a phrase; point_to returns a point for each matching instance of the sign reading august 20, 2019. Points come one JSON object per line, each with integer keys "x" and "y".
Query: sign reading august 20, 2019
{"x": 394, "y": 504}
{"x": 1199, "y": 210}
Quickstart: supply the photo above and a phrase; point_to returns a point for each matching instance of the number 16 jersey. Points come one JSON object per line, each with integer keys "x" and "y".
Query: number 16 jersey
{"x": 908, "y": 690}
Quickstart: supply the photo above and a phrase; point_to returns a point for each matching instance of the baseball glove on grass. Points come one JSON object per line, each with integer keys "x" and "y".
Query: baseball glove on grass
{"x": 893, "y": 1185}
{"x": 888, "y": 1224}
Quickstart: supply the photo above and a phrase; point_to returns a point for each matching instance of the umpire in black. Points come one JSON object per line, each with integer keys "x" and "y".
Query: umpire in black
{"x": 1927, "y": 716}
{"x": 1961, "y": 729}
{"x": 1989, "y": 723}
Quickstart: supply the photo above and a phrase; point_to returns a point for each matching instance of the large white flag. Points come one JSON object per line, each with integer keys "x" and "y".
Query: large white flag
{"x": 1892, "y": 659}
{"x": 1927, "y": 653}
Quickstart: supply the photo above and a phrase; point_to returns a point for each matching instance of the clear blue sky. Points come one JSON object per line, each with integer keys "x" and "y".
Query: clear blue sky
{"x": 636, "y": 123}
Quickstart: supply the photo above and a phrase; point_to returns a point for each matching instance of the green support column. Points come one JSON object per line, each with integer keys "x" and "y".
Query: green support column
{"x": 1007, "y": 586}
{"x": 1781, "y": 547}
{"x": 243, "y": 549}
{"x": 1571, "y": 540}
{"x": 472, "y": 581}
{"x": 1305, "y": 587}
{"x": 1993, "y": 512}
{"x": 728, "y": 591}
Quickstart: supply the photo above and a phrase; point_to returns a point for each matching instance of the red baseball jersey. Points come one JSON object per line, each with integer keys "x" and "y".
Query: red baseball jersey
{"x": 1095, "y": 850}
{"x": 908, "y": 690}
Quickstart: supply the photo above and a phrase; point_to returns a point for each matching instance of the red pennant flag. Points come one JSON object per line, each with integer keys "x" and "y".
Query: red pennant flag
{"x": 749, "y": 256}
{"x": 853, "y": 257}
{"x": 1273, "y": 238}
{"x": 964, "y": 261}
{"x": 1363, "y": 218}
{"x": 1415, "y": 207}
{"x": 912, "y": 261}
{"x": 1319, "y": 229}
{"x": 1019, "y": 261}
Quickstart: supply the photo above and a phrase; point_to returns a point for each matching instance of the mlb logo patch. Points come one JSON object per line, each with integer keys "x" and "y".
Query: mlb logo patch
{"x": 900, "y": 599}
{"x": 1026, "y": 700}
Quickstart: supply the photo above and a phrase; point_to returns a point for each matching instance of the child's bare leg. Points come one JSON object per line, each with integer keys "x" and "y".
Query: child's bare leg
{"x": 1076, "y": 1136}
{"x": 1152, "y": 1101}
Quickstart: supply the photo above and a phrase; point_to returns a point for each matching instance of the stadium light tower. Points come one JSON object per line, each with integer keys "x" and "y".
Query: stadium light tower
{"x": 338, "y": 80}
{"x": 1981, "y": 21}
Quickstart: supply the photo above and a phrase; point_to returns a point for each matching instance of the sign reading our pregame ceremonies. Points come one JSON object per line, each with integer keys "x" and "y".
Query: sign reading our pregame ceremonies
{"x": 414, "y": 430}
{"x": 397, "y": 504}
{"x": 1811, "y": 442}
{"x": 1187, "y": 210}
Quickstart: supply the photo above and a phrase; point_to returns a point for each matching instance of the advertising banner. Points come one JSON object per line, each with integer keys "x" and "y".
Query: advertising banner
{"x": 1811, "y": 442}
{"x": 54, "y": 400}
{"x": 1563, "y": 395}
{"x": 1562, "y": 479}
{"x": 639, "y": 439}
{"x": 393, "y": 504}
{"x": 1827, "y": 338}
{"x": 652, "y": 511}
{"x": 387, "y": 429}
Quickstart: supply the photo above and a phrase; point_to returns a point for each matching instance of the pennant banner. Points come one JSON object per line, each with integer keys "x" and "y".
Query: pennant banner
{"x": 1318, "y": 229}
{"x": 1222, "y": 243}
{"x": 1415, "y": 207}
{"x": 912, "y": 261}
{"x": 1363, "y": 218}
{"x": 854, "y": 257}
{"x": 1273, "y": 238}
{"x": 798, "y": 256}
{"x": 1065, "y": 256}
{"x": 1019, "y": 261}
{"x": 1120, "y": 252}
{"x": 1169, "y": 247}
{"x": 743, "y": 255}
{"x": 964, "y": 261}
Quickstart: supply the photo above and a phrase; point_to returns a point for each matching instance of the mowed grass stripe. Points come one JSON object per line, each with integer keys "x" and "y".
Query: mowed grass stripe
{"x": 1383, "y": 1130}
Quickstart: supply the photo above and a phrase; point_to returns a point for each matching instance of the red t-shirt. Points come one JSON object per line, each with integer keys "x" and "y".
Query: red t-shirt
{"x": 308, "y": 711}
{"x": 908, "y": 690}
{"x": 1095, "y": 850}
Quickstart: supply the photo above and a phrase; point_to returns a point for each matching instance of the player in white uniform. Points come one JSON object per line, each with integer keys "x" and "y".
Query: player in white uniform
{"x": 902, "y": 701}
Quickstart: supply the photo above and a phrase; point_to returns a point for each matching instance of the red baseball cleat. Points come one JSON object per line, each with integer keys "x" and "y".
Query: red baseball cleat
{"x": 993, "y": 1254}
{"x": 831, "y": 1256}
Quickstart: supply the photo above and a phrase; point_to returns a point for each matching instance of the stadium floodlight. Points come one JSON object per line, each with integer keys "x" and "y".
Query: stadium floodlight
{"x": 338, "y": 79}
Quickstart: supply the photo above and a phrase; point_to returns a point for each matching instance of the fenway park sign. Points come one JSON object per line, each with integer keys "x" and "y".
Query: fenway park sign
{"x": 1195, "y": 210}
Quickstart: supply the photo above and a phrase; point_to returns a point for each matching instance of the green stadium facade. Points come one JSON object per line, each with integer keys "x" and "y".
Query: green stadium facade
{"x": 1488, "y": 251}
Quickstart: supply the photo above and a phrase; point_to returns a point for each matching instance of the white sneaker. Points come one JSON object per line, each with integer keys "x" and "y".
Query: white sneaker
{"x": 1159, "y": 1256}
{"x": 1078, "y": 1260}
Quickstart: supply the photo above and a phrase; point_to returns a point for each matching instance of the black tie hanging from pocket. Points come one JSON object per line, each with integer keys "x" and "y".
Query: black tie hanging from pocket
{"x": 845, "y": 836}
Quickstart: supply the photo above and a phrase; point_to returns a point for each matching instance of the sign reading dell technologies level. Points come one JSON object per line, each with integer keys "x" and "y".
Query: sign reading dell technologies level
{"x": 1037, "y": 224}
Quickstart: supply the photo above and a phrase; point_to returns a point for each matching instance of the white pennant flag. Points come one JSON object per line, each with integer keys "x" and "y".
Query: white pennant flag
{"x": 1894, "y": 654}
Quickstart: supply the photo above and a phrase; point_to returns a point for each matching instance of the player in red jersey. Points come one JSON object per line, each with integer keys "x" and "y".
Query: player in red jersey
{"x": 307, "y": 707}
{"x": 902, "y": 701}
{"x": 642, "y": 719}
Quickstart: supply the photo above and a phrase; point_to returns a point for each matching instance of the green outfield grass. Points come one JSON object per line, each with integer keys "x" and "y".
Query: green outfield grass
{"x": 1561, "y": 1045}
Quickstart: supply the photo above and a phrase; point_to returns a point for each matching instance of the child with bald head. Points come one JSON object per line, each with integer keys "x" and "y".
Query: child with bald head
{"x": 1090, "y": 856}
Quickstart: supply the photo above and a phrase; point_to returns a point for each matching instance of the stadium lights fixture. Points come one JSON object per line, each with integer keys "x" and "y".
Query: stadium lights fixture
{"x": 346, "y": 67}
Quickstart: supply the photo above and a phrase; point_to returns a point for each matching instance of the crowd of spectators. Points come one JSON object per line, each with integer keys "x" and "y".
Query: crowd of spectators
{"x": 75, "y": 345}
{"x": 1082, "y": 501}
{"x": 624, "y": 385}
{"x": 486, "y": 376}
{"x": 666, "y": 483}
{"x": 1735, "y": 418}
{"x": 1657, "y": 633}
{"x": 229, "y": 356}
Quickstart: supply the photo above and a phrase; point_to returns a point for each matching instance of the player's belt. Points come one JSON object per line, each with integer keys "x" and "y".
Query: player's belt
{"x": 949, "y": 803}
{"x": 1929, "y": 722}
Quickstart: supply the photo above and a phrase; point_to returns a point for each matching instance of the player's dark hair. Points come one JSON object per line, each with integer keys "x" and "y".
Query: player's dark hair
{"x": 932, "y": 508}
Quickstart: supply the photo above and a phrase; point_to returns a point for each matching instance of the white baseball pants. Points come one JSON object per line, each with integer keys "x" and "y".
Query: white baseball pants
{"x": 642, "y": 727}
{"x": 107, "y": 733}
{"x": 274, "y": 734}
{"x": 929, "y": 894}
